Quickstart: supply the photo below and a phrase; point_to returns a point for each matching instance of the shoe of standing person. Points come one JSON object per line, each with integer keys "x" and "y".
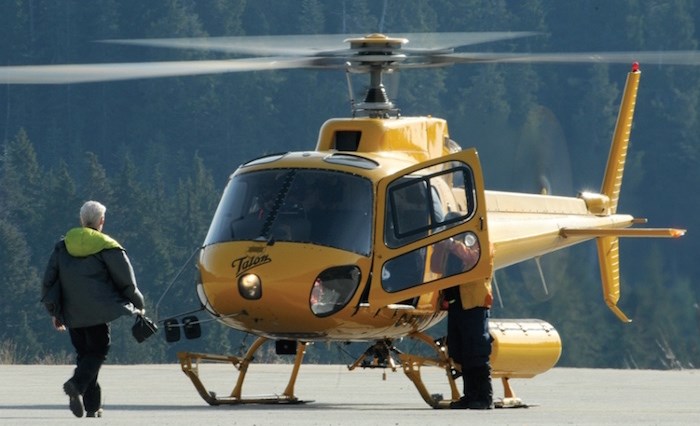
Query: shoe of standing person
{"x": 97, "y": 413}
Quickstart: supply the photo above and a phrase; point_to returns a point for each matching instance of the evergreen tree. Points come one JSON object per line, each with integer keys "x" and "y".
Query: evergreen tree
{"x": 61, "y": 209}
{"x": 311, "y": 18}
{"x": 221, "y": 17}
{"x": 593, "y": 126}
{"x": 24, "y": 320}
{"x": 20, "y": 182}
{"x": 196, "y": 202}
{"x": 131, "y": 205}
{"x": 97, "y": 185}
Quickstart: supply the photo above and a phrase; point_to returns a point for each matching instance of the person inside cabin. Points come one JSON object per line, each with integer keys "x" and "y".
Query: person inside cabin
{"x": 251, "y": 224}
{"x": 407, "y": 220}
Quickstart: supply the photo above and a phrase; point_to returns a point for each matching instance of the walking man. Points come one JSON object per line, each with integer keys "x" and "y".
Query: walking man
{"x": 98, "y": 286}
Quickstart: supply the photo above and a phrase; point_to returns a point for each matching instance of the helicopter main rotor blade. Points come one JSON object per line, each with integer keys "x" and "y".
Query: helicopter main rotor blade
{"x": 689, "y": 57}
{"x": 88, "y": 73}
{"x": 295, "y": 45}
{"x": 424, "y": 43}
{"x": 320, "y": 44}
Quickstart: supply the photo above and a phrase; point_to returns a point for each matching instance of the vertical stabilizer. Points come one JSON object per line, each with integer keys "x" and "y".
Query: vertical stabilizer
{"x": 609, "y": 258}
{"x": 618, "y": 150}
{"x": 609, "y": 247}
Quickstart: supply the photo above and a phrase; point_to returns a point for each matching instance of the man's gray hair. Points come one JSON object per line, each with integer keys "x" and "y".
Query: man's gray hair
{"x": 91, "y": 213}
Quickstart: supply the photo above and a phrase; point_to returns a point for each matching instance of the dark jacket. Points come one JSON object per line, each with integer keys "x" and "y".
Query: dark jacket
{"x": 97, "y": 280}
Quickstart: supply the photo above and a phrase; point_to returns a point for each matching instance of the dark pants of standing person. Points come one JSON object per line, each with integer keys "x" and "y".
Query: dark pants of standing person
{"x": 469, "y": 344}
{"x": 92, "y": 345}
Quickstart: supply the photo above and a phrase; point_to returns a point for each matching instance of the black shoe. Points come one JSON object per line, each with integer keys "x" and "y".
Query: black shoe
{"x": 74, "y": 402}
{"x": 480, "y": 405}
{"x": 460, "y": 404}
{"x": 97, "y": 413}
{"x": 466, "y": 404}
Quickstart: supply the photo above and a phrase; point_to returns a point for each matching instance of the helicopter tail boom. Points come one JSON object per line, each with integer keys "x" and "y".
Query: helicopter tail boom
{"x": 557, "y": 222}
{"x": 607, "y": 240}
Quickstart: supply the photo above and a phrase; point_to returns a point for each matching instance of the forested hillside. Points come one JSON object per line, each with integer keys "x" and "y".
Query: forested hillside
{"x": 157, "y": 152}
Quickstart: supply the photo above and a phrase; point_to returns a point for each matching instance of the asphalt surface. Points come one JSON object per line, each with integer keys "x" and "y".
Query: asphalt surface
{"x": 163, "y": 395}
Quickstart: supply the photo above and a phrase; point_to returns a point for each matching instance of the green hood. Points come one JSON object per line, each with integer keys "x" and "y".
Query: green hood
{"x": 83, "y": 242}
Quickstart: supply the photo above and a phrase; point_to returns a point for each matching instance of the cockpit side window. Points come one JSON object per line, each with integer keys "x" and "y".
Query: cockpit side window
{"x": 419, "y": 205}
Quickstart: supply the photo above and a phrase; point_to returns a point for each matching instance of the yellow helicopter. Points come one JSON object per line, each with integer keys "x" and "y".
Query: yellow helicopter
{"x": 336, "y": 243}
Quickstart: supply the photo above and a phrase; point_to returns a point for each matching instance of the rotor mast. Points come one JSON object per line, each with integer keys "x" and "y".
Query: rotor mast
{"x": 375, "y": 54}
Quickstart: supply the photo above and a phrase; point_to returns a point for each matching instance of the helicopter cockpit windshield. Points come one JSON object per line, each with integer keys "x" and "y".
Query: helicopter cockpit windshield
{"x": 327, "y": 208}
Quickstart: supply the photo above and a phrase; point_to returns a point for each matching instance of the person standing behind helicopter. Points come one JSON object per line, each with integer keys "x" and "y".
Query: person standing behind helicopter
{"x": 98, "y": 286}
{"x": 468, "y": 310}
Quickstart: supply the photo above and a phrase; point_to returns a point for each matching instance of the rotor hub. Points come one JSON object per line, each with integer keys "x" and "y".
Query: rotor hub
{"x": 373, "y": 44}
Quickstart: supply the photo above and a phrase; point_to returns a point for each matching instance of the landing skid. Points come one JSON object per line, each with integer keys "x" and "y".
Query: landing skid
{"x": 413, "y": 363}
{"x": 377, "y": 356}
{"x": 190, "y": 366}
{"x": 509, "y": 399}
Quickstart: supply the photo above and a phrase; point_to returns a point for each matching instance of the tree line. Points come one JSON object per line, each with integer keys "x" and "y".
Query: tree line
{"x": 157, "y": 152}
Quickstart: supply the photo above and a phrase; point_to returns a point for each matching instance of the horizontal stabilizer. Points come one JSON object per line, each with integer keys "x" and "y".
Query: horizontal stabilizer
{"x": 626, "y": 232}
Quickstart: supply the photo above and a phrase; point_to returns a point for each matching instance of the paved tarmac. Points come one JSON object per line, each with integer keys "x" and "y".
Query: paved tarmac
{"x": 163, "y": 395}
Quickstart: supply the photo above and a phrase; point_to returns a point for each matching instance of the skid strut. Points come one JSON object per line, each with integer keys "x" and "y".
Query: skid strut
{"x": 190, "y": 362}
{"x": 412, "y": 364}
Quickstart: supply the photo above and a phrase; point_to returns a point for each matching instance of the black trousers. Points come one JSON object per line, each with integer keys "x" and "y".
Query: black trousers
{"x": 469, "y": 344}
{"x": 468, "y": 337}
{"x": 91, "y": 345}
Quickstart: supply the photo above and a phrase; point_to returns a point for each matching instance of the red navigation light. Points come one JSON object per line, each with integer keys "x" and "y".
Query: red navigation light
{"x": 635, "y": 66}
